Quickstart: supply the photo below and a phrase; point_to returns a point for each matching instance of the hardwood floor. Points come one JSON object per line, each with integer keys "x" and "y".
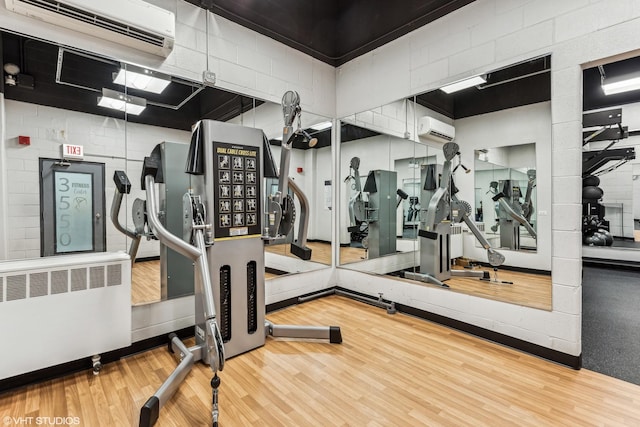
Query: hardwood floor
{"x": 391, "y": 370}
{"x": 145, "y": 282}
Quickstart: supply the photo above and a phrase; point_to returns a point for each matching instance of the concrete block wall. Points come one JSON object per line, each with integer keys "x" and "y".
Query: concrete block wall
{"x": 243, "y": 60}
{"x": 117, "y": 144}
{"x": 486, "y": 35}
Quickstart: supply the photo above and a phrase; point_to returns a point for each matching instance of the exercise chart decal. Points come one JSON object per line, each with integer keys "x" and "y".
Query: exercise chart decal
{"x": 238, "y": 188}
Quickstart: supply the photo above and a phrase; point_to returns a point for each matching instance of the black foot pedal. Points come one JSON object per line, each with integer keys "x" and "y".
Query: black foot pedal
{"x": 150, "y": 412}
{"x": 302, "y": 253}
{"x": 335, "y": 336}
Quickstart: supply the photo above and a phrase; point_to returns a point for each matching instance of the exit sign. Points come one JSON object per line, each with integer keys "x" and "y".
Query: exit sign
{"x": 70, "y": 151}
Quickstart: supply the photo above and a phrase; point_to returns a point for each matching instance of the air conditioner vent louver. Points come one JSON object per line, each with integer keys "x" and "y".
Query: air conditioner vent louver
{"x": 132, "y": 23}
{"x": 435, "y": 130}
{"x": 97, "y": 20}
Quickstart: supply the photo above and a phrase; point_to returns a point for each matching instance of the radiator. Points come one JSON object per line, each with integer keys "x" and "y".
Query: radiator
{"x": 59, "y": 309}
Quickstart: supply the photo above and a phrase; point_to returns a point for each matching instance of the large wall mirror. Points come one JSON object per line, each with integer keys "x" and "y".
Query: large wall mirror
{"x": 495, "y": 227}
{"x": 611, "y": 173}
{"x": 56, "y": 95}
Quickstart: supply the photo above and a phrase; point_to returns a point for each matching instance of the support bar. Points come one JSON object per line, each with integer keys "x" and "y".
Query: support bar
{"x": 332, "y": 333}
{"x": 150, "y": 411}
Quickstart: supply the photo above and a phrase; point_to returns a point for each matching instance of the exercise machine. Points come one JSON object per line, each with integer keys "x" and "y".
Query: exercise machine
{"x": 281, "y": 211}
{"x": 358, "y": 227}
{"x": 603, "y": 126}
{"x": 224, "y": 236}
{"x": 176, "y": 275}
{"x": 379, "y": 212}
{"x": 435, "y": 226}
{"x": 512, "y": 214}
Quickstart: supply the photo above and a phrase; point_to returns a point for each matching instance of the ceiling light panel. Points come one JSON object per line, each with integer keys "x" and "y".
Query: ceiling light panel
{"x": 463, "y": 84}
{"x": 141, "y": 79}
{"x": 121, "y": 102}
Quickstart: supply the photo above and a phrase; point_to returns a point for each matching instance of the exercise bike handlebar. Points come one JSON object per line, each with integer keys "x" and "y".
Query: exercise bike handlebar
{"x": 123, "y": 186}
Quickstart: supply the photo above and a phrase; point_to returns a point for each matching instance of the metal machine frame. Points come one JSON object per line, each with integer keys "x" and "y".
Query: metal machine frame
{"x": 512, "y": 214}
{"x": 224, "y": 237}
{"x": 434, "y": 232}
{"x": 379, "y": 213}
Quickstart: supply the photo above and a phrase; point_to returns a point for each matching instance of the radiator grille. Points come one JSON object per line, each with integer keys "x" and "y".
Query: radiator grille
{"x": 96, "y": 277}
{"x": 16, "y": 287}
{"x": 59, "y": 282}
{"x": 96, "y": 20}
{"x": 78, "y": 279}
{"x": 43, "y": 283}
{"x": 38, "y": 284}
{"x": 114, "y": 275}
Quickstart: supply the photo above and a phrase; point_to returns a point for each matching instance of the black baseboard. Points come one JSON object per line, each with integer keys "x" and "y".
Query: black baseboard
{"x": 318, "y": 241}
{"x": 274, "y": 271}
{"x": 85, "y": 364}
{"x": 148, "y": 258}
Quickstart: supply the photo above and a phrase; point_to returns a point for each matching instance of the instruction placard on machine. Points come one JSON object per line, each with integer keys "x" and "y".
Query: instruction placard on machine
{"x": 237, "y": 182}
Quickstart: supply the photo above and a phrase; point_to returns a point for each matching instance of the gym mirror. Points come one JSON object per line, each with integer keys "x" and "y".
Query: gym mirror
{"x": 611, "y": 205}
{"x": 379, "y": 209}
{"x": 511, "y": 114}
{"x": 505, "y": 196}
{"x": 54, "y": 101}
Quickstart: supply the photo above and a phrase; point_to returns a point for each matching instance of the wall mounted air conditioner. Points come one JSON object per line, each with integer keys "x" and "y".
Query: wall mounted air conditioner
{"x": 133, "y": 23}
{"x": 435, "y": 130}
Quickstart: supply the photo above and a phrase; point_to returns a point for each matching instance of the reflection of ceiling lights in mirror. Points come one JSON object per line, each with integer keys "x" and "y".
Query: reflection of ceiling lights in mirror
{"x": 321, "y": 126}
{"x": 626, "y": 83}
{"x": 121, "y": 102}
{"x": 142, "y": 79}
{"x": 463, "y": 84}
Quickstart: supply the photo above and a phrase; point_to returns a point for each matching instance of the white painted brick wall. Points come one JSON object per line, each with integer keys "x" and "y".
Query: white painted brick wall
{"x": 574, "y": 32}
{"x": 105, "y": 140}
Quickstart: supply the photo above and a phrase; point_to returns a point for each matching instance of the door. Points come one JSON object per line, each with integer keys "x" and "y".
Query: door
{"x": 72, "y": 200}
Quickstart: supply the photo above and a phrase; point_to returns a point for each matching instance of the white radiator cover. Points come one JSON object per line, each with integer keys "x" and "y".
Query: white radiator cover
{"x": 59, "y": 309}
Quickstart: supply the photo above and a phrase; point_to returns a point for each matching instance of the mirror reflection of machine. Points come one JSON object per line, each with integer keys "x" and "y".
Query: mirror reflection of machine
{"x": 513, "y": 211}
{"x": 358, "y": 227}
{"x": 280, "y": 207}
{"x": 176, "y": 271}
{"x": 443, "y": 209}
{"x": 224, "y": 236}
{"x": 601, "y": 126}
{"x": 374, "y": 221}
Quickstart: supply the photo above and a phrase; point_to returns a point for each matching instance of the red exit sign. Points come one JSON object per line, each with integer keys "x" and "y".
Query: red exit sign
{"x": 70, "y": 151}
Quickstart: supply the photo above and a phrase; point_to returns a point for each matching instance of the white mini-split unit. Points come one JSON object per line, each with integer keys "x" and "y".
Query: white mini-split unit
{"x": 133, "y": 23}
{"x": 435, "y": 130}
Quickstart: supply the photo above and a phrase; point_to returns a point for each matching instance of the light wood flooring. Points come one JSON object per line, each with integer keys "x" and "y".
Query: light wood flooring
{"x": 531, "y": 290}
{"x": 391, "y": 370}
{"x": 528, "y": 289}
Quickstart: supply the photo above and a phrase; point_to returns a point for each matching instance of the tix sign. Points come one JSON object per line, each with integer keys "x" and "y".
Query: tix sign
{"x": 70, "y": 151}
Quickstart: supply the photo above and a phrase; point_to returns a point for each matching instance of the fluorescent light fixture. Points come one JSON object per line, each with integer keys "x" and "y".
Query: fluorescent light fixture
{"x": 625, "y": 83}
{"x": 321, "y": 126}
{"x": 121, "y": 102}
{"x": 463, "y": 84}
{"x": 142, "y": 79}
